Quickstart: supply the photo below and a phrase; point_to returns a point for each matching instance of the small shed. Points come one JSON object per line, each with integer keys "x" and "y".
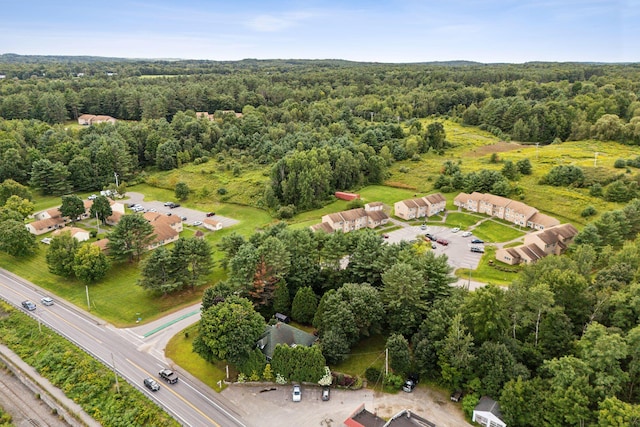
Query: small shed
{"x": 346, "y": 196}
{"x": 487, "y": 413}
{"x": 282, "y": 318}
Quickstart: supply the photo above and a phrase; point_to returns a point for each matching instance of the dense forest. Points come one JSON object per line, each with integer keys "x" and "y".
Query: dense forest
{"x": 557, "y": 347}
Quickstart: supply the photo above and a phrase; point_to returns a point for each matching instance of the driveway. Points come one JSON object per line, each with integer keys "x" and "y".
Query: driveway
{"x": 191, "y": 214}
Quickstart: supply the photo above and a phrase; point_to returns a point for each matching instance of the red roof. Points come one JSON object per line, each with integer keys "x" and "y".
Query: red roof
{"x": 346, "y": 196}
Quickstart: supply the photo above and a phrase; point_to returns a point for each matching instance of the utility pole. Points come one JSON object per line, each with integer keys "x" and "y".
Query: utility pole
{"x": 386, "y": 362}
{"x": 116, "y": 175}
{"x": 537, "y": 145}
{"x": 98, "y": 222}
{"x": 88, "y": 304}
{"x": 372, "y": 116}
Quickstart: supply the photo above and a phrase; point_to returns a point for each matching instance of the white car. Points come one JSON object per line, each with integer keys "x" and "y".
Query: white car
{"x": 46, "y": 301}
{"x": 197, "y": 223}
{"x": 455, "y": 229}
{"x": 466, "y": 234}
{"x": 297, "y": 394}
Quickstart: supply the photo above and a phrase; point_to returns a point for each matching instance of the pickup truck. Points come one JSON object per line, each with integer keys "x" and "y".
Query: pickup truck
{"x": 169, "y": 376}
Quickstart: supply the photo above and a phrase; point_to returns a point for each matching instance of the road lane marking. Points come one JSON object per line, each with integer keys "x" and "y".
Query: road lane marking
{"x": 176, "y": 394}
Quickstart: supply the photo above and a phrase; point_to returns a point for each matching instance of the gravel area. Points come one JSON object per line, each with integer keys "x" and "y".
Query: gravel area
{"x": 274, "y": 408}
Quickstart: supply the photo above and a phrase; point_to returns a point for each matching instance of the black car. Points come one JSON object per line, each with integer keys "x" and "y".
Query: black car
{"x": 209, "y": 214}
{"x": 410, "y": 383}
{"x": 456, "y": 396}
{"x": 29, "y": 305}
{"x": 326, "y": 395}
{"x": 174, "y": 205}
{"x": 151, "y": 384}
{"x": 431, "y": 237}
{"x": 477, "y": 241}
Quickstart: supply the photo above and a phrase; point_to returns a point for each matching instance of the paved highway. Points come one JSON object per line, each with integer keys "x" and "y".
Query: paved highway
{"x": 189, "y": 401}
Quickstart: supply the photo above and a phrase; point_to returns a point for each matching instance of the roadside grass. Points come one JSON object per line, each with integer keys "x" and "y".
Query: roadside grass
{"x": 180, "y": 350}
{"x": 486, "y": 272}
{"x": 463, "y": 220}
{"x": 493, "y": 231}
{"x": 366, "y": 353}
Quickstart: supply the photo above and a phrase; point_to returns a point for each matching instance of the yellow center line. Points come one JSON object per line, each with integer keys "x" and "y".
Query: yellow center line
{"x": 177, "y": 395}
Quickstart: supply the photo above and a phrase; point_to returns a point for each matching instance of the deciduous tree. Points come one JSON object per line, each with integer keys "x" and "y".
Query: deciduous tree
{"x": 90, "y": 264}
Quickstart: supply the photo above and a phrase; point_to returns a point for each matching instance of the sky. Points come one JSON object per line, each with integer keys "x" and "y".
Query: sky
{"x": 390, "y": 31}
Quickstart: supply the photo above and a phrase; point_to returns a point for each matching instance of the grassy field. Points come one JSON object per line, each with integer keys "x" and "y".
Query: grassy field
{"x": 492, "y": 231}
{"x": 368, "y": 352}
{"x": 180, "y": 350}
{"x": 486, "y": 273}
{"x": 463, "y": 220}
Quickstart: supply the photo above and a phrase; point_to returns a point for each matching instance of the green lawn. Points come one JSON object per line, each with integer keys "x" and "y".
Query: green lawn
{"x": 492, "y": 231}
{"x": 180, "y": 350}
{"x": 486, "y": 272}
{"x": 368, "y": 352}
{"x": 462, "y": 220}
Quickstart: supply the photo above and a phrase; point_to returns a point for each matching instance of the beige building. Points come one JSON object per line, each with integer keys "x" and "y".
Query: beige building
{"x": 45, "y": 225}
{"x": 212, "y": 224}
{"x": 539, "y": 244}
{"x": 371, "y": 216}
{"x": 90, "y": 119}
{"x": 421, "y": 207}
{"x": 501, "y": 207}
{"x": 77, "y": 233}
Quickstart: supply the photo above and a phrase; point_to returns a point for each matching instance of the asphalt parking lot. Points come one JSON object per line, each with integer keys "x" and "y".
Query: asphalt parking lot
{"x": 192, "y": 215}
{"x": 458, "y": 251}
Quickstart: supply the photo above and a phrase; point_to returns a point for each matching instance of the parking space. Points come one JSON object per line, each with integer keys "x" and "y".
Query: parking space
{"x": 458, "y": 250}
{"x": 189, "y": 216}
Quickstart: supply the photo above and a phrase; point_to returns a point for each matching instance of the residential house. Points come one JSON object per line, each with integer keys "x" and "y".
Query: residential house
{"x": 102, "y": 244}
{"x": 45, "y": 225}
{"x": 115, "y": 207}
{"x": 420, "y": 207}
{"x": 212, "y": 224}
{"x": 539, "y": 244}
{"x": 281, "y": 333}
{"x": 49, "y": 213}
{"x": 405, "y": 418}
{"x": 77, "y": 233}
{"x": 90, "y": 119}
{"x": 371, "y": 216}
{"x": 163, "y": 235}
{"x": 487, "y": 413}
{"x": 501, "y": 207}
{"x": 114, "y": 218}
{"x": 172, "y": 221}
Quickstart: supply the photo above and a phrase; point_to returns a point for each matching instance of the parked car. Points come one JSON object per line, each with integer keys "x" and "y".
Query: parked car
{"x": 477, "y": 241}
{"x": 423, "y": 227}
{"x": 456, "y": 396}
{"x": 433, "y": 245}
{"x": 92, "y": 197}
{"x": 477, "y": 249}
{"x": 168, "y": 203}
{"x": 184, "y": 218}
{"x": 209, "y": 214}
{"x": 151, "y": 384}
{"x": 431, "y": 237}
{"x": 443, "y": 242}
{"x": 466, "y": 234}
{"x": 197, "y": 223}
{"x": 46, "y": 301}
{"x": 29, "y": 305}
{"x": 326, "y": 394}
{"x": 455, "y": 229}
{"x": 410, "y": 383}
{"x": 296, "y": 394}
{"x": 174, "y": 205}
{"x": 385, "y": 236}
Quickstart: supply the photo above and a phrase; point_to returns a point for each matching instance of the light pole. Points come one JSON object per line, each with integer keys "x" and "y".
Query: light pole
{"x": 88, "y": 303}
{"x": 116, "y": 175}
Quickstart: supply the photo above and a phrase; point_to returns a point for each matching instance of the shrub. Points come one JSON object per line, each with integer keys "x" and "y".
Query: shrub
{"x": 373, "y": 374}
{"x": 286, "y": 212}
{"x": 620, "y": 164}
{"x": 393, "y": 381}
{"x": 222, "y": 191}
{"x": 588, "y": 211}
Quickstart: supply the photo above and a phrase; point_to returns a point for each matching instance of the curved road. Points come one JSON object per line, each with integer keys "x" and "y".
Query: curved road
{"x": 189, "y": 401}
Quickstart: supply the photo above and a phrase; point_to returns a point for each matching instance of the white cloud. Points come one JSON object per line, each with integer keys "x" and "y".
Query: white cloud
{"x": 270, "y": 23}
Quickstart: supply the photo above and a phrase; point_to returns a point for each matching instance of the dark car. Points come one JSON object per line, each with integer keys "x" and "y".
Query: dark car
{"x": 477, "y": 241}
{"x": 410, "y": 383}
{"x": 430, "y": 237}
{"x": 456, "y": 396}
{"x": 151, "y": 384}
{"x": 443, "y": 242}
{"x": 477, "y": 249}
{"x": 168, "y": 375}
{"x": 326, "y": 394}
{"x": 210, "y": 214}
{"x": 29, "y": 305}
{"x": 174, "y": 205}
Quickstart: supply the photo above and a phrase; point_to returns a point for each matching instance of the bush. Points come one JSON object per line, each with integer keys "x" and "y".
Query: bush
{"x": 393, "y": 381}
{"x": 222, "y": 191}
{"x": 286, "y": 212}
{"x": 355, "y": 203}
{"x": 373, "y": 374}
{"x": 620, "y": 164}
{"x": 588, "y": 211}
